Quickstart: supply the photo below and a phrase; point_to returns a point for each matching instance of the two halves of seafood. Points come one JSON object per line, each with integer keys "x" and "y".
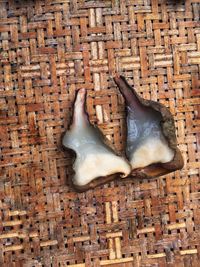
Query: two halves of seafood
{"x": 151, "y": 144}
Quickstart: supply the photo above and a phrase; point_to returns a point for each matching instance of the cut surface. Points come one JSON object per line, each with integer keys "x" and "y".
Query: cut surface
{"x": 146, "y": 143}
{"x": 94, "y": 158}
{"x": 98, "y": 162}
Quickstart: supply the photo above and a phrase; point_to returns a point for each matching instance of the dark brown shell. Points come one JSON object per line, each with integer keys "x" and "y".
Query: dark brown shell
{"x": 168, "y": 129}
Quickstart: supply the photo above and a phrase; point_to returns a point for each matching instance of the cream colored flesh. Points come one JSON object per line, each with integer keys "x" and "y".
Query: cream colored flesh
{"x": 151, "y": 151}
{"x": 98, "y": 162}
{"x": 146, "y": 143}
{"x": 93, "y": 157}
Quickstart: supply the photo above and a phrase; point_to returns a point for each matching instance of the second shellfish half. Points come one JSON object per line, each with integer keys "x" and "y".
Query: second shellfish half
{"x": 151, "y": 143}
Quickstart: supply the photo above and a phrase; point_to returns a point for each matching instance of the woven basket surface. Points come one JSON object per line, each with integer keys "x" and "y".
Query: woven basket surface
{"x": 49, "y": 50}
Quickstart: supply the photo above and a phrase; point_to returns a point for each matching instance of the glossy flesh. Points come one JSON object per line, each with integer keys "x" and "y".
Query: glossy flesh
{"x": 146, "y": 143}
{"x": 93, "y": 157}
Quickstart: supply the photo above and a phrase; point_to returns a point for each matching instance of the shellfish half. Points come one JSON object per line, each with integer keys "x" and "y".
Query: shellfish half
{"x": 96, "y": 162}
{"x": 151, "y": 144}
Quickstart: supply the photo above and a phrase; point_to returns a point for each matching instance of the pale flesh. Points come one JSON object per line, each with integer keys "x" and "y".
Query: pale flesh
{"x": 146, "y": 143}
{"x": 93, "y": 157}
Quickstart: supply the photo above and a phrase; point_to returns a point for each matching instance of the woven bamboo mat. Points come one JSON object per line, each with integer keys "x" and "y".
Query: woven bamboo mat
{"x": 48, "y": 50}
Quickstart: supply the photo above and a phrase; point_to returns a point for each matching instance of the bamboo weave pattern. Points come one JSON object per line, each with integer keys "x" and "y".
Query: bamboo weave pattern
{"x": 50, "y": 49}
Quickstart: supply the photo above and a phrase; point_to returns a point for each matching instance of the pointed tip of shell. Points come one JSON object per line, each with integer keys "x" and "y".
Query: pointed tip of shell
{"x": 80, "y": 97}
{"x": 117, "y": 76}
{"x": 81, "y": 93}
